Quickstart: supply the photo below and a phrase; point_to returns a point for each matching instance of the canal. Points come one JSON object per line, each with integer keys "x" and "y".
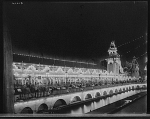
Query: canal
{"x": 137, "y": 107}
{"x": 101, "y": 106}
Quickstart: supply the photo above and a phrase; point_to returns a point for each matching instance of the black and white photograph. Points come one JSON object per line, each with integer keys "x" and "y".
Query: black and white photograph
{"x": 75, "y": 58}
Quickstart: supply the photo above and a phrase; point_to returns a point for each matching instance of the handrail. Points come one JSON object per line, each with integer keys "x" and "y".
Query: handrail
{"x": 36, "y": 95}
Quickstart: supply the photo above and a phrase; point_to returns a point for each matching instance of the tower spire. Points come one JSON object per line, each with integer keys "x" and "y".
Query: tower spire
{"x": 113, "y": 50}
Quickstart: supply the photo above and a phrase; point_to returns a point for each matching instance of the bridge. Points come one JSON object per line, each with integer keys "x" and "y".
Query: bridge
{"x": 52, "y": 102}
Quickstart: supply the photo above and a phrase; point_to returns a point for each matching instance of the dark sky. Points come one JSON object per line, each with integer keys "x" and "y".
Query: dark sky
{"x": 78, "y": 30}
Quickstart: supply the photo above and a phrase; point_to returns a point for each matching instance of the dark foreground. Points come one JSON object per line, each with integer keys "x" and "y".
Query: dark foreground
{"x": 137, "y": 107}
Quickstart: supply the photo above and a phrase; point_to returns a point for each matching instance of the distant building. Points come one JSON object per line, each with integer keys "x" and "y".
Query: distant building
{"x": 135, "y": 68}
{"x": 60, "y": 72}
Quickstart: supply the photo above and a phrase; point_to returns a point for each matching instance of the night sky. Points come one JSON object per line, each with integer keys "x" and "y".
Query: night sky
{"x": 78, "y": 30}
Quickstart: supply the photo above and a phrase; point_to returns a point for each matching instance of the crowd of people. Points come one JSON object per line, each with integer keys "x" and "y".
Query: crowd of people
{"x": 28, "y": 91}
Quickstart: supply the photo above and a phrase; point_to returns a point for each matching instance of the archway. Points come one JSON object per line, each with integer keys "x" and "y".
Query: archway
{"x": 129, "y": 88}
{"x": 111, "y": 92}
{"x": 120, "y": 90}
{"x": 126, "y": 88}
{"x": 97, "y": 94}
{"x": 27, "y": 110}
{"x": 116, "y": 91}
{"x": 42, "y": 108}
{"x": 132, "y": 87}
{"x": 59, "y": 103}
{"x": 138, "y": 87}
{"x": 76, "y": 99}
{"x": 104, "y": 93}
{"x": 88, "y": 96}
{"x": 144, "y": 86}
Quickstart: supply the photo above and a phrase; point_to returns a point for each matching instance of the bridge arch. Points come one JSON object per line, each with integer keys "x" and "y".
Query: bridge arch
{"x": 104, "y": 93}
{"x": 129, "y": 88}
{"x": 132, "y": 87}
{"x": 27, "y": 110}
{"x": 75, "y": 99}
{"x": 126, "y": 88}
{"x": 144, "y": 86}
{"x": 59, "y": 103}
{"x": 111, "y": 92}
{"x": 97, "y": 94}
{"x": 42, "y": 107}
{"x": 120, "y": 90}
{"x": 116, "y": 91}
{"x": 137, "y": 86}
{"x": 88, "y": 96}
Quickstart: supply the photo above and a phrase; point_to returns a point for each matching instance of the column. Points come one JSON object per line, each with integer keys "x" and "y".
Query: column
{"x": 8, "y": 85}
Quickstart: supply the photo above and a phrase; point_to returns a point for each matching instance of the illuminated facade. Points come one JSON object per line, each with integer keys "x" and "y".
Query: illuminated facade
{"x": 55, "y": 75}
{"x": 30, "y": 73}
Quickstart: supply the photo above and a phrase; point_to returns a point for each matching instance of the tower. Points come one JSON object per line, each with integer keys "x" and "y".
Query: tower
{"x": 113, "y": 61}
{"x": 135, "y": 68}
{"x": 145, "y": 69}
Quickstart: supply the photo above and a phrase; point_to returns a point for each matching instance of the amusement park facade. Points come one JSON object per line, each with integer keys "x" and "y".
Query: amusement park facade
{"x": 39, "y": 74}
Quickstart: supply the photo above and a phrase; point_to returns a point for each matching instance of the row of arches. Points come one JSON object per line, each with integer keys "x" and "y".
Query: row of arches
{"x": 61, "y": 102}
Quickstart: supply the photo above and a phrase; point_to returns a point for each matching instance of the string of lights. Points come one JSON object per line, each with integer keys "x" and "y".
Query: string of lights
{"x": 18, "y": 3}
{"x": 54, "y": 59}
{"x": 140, "y": 45}
{"x": 129, "y": 42}
{"x": 137, "y": 47}
{"x": 141, "y": 55}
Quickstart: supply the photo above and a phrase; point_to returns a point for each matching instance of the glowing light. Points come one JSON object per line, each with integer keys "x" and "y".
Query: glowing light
{"x": 129, "y": 42}
{"x": 53, "y": 58}
{"x": 146, "y": 59}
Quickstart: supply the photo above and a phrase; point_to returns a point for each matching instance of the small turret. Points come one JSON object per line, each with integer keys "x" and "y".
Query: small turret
{"x": 135, "y": 68}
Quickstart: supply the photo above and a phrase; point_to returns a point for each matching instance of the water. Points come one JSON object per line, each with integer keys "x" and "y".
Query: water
{"x": 97, "y": 104}
{"x": 137, "y": 107}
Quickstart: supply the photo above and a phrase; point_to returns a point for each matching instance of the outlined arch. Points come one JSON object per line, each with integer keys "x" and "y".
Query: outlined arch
{"x": 27, "y": 110}
{"x": 137, "y": 86}
{"x": 104, "y": 93}
{"x": 43, "y": 107}
{"x": 129, "y": 88}
{"x": 97, "y": 94}
{"x": 88, "y": 96}
{"x": 59, "y": 103}
{"x": 111, "y": 92}
{"x": 143, "y": 86}
{"x": 75, "y": 99}
{"x": 116, "y": 91}
{"x": 132, "y": 87}
{"x": 120, "y": 90}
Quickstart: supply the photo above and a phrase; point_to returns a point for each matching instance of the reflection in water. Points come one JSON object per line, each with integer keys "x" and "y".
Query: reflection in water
{"x": 77, "y": 110}
{"x": 90, "y": 106}
{"x": 132, "y": 108}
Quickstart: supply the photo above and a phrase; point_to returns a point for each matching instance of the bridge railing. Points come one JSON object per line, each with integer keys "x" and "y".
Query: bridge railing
{"x": 35, "y": 95}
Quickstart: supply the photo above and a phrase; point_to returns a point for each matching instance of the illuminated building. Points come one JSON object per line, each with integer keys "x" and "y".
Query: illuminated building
{"x": 42, "y": 74}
